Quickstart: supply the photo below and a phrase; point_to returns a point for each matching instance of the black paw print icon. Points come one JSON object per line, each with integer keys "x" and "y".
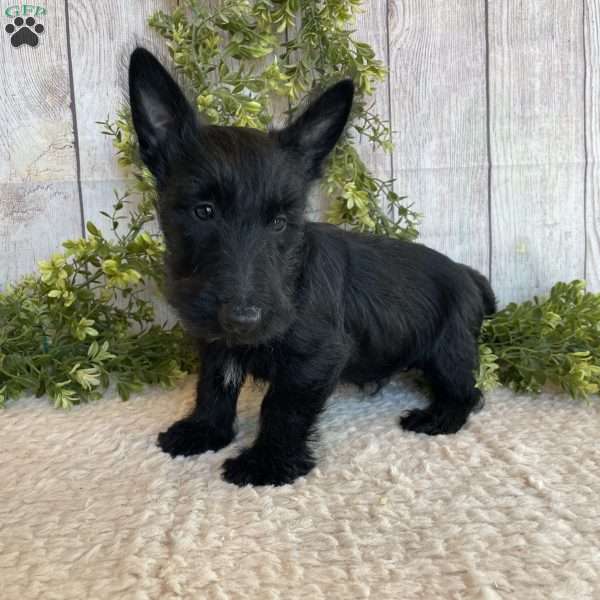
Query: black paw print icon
{"x": 24, "y": 32}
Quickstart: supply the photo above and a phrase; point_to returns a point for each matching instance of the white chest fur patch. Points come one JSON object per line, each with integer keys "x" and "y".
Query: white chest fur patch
{"x": 232, "y": 373}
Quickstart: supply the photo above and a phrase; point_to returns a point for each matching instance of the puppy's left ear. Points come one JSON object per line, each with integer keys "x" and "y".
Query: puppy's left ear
{"x": 315, "y": 132}
{"x": 160, "y": 111}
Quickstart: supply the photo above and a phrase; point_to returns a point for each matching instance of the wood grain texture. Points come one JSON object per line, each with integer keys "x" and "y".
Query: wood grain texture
{"x": 39, "y": 202}
{"x": 592, "y": 64}
{"x": 538, "y": 230}
{"x": 372, "y": 28}
{"x": 438, "y": 112}
{"x": 103, "y": 34}
{"x": 537, "y": 145}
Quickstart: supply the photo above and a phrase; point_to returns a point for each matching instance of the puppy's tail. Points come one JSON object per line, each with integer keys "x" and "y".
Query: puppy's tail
{"x": 487, "y": 294}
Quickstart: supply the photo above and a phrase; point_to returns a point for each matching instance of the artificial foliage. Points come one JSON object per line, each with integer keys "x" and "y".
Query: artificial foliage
{"x": 86, "y": 318}
{"x": 552, "y": 341}
{"x": 82, "y": 322}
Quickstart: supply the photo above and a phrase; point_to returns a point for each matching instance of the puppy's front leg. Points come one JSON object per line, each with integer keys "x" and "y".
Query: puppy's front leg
{"x": 280, "y": 453}
{"x": 210, "y": 425}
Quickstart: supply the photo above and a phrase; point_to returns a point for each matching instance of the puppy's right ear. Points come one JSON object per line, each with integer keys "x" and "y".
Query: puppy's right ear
{"x": 160, "y": 111}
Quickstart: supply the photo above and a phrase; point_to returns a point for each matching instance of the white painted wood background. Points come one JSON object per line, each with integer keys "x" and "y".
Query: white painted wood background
{"x": 495, "y": 107}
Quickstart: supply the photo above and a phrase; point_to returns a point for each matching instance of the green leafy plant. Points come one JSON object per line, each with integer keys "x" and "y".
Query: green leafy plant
{"x": 81, "y": 320}
{"x": 553, "y": 341}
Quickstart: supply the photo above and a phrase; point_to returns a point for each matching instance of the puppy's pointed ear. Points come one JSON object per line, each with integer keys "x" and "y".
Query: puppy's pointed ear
{"x": 160, "y": 111}
{"x": 315, "y": 132}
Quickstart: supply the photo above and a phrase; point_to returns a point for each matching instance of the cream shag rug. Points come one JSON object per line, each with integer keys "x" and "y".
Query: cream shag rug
{"x": 90, "y": 508}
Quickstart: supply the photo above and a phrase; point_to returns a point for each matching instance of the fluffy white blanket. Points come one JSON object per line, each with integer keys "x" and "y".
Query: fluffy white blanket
{"x": 90, "y": 508}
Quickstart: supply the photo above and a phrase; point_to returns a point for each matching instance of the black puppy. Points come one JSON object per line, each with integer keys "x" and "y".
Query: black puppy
{"x": 300, "y": 305}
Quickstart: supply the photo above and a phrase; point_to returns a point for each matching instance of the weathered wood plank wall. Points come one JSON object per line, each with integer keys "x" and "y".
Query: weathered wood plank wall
{"x": 100, "y": 84}
{"x": 494, "y": 105}
{"x": 591, "y": 28}
{"x": 373, "y": 27}
{"x": 536, "y": 115}
{"x": 39, "y": 203}
{"x": 437, "y": 80}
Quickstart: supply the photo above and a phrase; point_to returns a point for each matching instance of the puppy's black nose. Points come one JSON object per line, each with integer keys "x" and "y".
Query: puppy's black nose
{"x": 239, "y": 318}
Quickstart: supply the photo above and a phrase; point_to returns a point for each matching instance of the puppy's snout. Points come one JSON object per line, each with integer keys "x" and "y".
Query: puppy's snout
{"x": 239, "y": 318}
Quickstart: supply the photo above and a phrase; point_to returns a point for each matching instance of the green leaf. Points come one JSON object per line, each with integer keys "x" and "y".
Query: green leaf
{"x": 92, "y": 229}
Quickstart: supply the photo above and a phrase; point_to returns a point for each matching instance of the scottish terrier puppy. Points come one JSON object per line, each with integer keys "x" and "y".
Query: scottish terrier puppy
{"x": 299, "y": 305}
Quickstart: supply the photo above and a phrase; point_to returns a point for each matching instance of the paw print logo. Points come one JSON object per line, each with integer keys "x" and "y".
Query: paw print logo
{"x": 24, "y": 32}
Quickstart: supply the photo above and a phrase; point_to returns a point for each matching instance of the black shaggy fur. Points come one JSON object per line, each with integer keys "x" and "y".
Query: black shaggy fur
{"x": 300, "y": 305}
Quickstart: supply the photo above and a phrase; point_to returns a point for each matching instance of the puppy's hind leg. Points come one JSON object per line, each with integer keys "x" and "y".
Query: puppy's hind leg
{"x": 450, "y": 371}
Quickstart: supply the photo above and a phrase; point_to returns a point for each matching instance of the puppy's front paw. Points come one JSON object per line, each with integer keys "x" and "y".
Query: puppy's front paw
{"x": 187, "y": 437}
{"x": 433, "y": 423}
{"x": 264, "y": 467}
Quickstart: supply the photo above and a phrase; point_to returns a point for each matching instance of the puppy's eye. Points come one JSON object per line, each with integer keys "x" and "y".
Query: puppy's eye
{"x": 204, "y": 211}
{"x": 279, "y": 223}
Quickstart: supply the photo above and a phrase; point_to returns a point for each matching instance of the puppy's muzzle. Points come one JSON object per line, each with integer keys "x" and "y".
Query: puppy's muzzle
{"x": 239, "y": 318}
